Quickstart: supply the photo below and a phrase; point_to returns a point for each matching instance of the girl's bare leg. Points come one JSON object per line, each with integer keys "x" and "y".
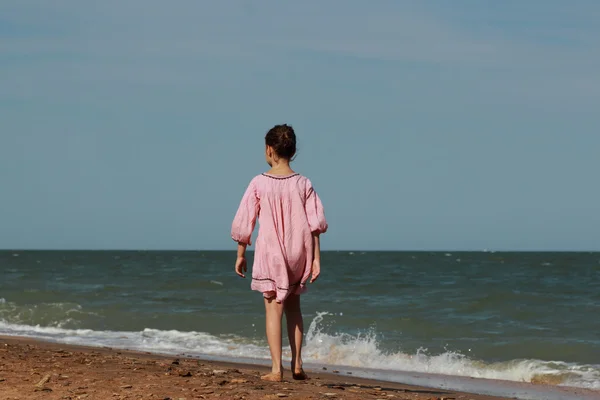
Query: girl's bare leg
{"x": 274, "y": 312}
{"x": 295, "y": 328}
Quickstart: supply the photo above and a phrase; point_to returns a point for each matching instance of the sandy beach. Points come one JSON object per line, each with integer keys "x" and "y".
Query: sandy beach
{"x": 31, "y": 369}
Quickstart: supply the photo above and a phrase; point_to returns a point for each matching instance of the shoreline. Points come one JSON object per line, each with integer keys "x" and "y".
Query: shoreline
{"x": 105, "y": 372}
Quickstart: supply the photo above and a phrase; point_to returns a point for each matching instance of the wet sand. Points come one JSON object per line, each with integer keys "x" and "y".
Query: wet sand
{"x": 31, "y": 369}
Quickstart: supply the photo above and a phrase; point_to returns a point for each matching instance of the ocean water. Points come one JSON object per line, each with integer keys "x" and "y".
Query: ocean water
{"x": 524, "y": 317}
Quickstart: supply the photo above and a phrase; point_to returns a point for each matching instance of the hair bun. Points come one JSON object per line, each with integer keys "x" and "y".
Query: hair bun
{"x": 283, "y": 140}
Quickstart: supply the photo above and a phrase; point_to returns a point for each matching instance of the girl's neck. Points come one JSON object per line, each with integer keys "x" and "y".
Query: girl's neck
{"x": 281, "y": 167}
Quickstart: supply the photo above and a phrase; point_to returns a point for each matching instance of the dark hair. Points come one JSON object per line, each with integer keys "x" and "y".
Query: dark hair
{"x": 283, "y": 140}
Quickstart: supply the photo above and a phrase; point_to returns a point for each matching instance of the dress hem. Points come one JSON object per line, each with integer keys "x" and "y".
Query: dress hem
{"x": 267, "y": 285}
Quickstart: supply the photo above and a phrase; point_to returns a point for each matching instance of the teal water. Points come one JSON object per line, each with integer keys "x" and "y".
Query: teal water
{"x": 513, "y": 316}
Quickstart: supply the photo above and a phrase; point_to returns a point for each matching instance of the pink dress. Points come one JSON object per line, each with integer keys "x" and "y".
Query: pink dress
{"x": 288, "y": 211}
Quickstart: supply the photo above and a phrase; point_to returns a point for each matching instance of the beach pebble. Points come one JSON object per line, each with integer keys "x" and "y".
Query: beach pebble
{"x": 329, "y": 394}
{"x": 44, "y": 380}
{"x": 219, "y": 372}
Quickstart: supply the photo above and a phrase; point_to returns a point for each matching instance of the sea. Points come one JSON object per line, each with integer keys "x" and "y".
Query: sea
{"x": 521, "y": 317}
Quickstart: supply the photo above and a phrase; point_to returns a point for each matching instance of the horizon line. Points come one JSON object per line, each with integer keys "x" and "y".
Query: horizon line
{"x": 322, "y": 250}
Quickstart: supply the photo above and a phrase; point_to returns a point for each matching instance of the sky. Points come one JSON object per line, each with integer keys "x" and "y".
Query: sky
{"x": 423, "y": 125}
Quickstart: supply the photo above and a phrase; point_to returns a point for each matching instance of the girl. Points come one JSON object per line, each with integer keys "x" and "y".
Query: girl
{"x": 287, "y": 249}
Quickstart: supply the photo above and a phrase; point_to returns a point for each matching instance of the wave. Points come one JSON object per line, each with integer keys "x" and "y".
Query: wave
{"x": 61, "y": 315}
{"x": 363, "y": 351}
{"x": 335, "y": 350}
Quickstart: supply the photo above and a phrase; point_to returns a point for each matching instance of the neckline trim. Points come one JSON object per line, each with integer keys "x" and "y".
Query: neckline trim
{"x": 280, "y": 176}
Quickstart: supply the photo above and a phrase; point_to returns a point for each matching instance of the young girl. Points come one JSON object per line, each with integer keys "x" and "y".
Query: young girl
{"x": 287, "y": 249}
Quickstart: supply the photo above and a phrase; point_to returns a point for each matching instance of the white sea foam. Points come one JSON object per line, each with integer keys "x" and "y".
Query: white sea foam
{"x": 364, "y": 352}
{"x": 60, "y": 315}
{"x": 360, "y": 351}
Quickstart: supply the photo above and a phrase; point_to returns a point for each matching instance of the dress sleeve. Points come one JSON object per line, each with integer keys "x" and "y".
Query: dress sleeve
{"x": 314, "y": 210}
{"x": 245, "y": 217}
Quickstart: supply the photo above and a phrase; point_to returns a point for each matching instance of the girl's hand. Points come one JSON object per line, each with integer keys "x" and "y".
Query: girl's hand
{"x": 315, "y": 269}
{"x": 241, "y": 266}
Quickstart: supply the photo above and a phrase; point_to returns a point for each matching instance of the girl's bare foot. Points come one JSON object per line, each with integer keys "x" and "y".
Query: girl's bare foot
{"x": 273, "y": 377}
{"x": 298, "y": 372}
{"x": 300, "y": 375}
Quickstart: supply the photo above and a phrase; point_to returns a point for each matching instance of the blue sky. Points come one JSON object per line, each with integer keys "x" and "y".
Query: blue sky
{"x": 423, "y": 124}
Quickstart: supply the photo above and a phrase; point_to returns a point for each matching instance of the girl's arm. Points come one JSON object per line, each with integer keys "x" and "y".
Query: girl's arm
{"x": 241, "y": 266}
{"x": 316, "y": 247}
{"x": 315, "y": 269}
{"x": 241, "y": 250}
{"x": 246, "y": 215}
